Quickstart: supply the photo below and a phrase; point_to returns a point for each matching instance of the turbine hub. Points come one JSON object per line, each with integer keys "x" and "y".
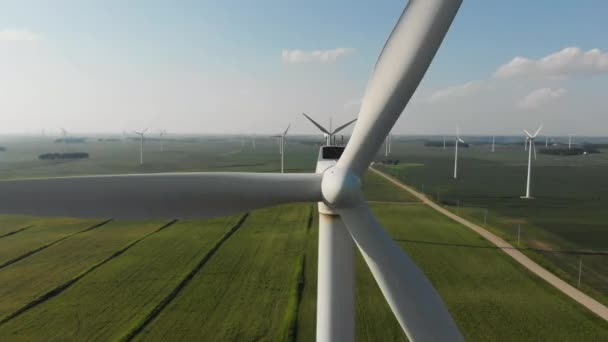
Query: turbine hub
{"x": 340, "y": 188}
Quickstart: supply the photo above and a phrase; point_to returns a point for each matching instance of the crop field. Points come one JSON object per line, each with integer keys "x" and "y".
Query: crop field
{"x": 253, "y": 276}
{"x": 244, "y": 292}
{"x": 41, "y": 234}
{"x": 35, "y": 276}
{"x": 567, "y": 214}
{"x": 118, "y": 296}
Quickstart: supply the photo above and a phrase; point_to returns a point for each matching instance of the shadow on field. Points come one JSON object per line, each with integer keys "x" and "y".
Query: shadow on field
{"x": 448, "y": 244}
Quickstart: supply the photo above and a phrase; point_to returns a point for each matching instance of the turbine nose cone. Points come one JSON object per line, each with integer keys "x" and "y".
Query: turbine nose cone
{"x": 340, "y": 188}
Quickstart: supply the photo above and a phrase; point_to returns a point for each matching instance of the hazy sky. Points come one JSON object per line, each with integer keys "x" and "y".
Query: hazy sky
{"x": 253, "y": 66}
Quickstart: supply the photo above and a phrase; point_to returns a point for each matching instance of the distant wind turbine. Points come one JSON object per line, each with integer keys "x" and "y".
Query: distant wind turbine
{"x": 570, "y": 141}
{"x": 329, "y": 134}
{"x": 281, "y": 138}
{"x": 444, "y": 142}
{"x": 493, "y": 138}
{"x": 141, "y": 145}
{"x": 456, "y": 152}
{"x": 387, "y": 145}
{"x": 162, "y": 140}
{"x": 531, "y": 146}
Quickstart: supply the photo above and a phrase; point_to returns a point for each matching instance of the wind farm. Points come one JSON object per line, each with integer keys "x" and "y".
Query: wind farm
{"x": 380, "y": 235}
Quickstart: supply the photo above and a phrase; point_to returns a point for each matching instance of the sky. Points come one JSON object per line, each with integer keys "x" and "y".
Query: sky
{"x": 252, "y": 67}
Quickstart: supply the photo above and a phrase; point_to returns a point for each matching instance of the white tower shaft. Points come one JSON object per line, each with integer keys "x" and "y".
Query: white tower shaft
{"x": 529, "y": 167}
{"x": 456, "y": 160}
{"x": 335, "y": 281}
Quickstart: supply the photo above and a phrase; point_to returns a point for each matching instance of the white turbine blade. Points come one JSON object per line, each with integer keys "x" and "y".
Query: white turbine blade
{"x": 527, "y": 134}
{"x": 403, "y": 62}
{"x": 149, "y": 196}
{"x": 285, "y": 133}
{"x": 343, "y": 126}
{"x": 144, "y": 131}
{"x": 537, "y": 131}
{"x": 316, "y": 124}
{"x": 462, "y": 141}
{"x": 411, "y": 296}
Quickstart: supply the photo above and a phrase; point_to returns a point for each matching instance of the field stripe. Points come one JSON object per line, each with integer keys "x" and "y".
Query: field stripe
{"x": 593, "y": 305}
{"x": 169, "y": 298}
{"x": 16, "y": 231}
{"x": 59, "y": 289}
{"x": 43, "y": 247}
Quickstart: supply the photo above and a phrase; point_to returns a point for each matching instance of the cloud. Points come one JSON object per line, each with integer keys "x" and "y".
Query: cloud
{"x": 568, "y": 62}
{"x": 541, "y": 97}
{"x": 317, "y": 56}
{"x": 460, "y": 90}
{"x": 17, "y": 35}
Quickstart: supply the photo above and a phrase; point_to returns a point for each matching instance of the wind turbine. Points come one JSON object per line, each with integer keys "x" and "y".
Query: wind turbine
{"x": 444, "y": 142}
{"x": 141, "y": 145}
{"x": 162, "y": 133}
{"x": 493, "y": 138}
{"x": 281, "y": 138}
{"x": 345, "y": 220}
{"x": 329, "y": 134}
{"x": 570, "y": 140}
{"x": 531, "y": 147}
{"x": 456, "y": 152}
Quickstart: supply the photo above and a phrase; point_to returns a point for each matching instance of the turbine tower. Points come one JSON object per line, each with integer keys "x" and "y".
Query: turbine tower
{"x": 162, "y": 140}
{"x": 141, "y": 145}
{"x": 531, "y": 147}
{"x": 456, "y": 152}
{"x": 329, "y": 134}
{"x": 281, "y": 138}
{"x": 570, "y": 140}
{"x": 493, "y": 138}
{"x": 345, "y": 219}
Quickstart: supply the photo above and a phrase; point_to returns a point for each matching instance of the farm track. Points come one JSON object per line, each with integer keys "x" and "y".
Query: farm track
{"x": 16, "y": 231}
{"x": 567, "y": 289}
{"x": 59, "y": 289}
{"x": 169, "y": 298}
{"x": 43, "y": 247}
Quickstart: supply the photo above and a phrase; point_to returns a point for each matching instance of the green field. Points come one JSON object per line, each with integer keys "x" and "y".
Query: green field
{"x": 567, "y": 214}
{"x": 119, "y": 295}
{"x": 220, "y": 280}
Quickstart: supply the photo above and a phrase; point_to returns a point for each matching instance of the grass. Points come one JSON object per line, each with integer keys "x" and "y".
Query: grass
{"x": 117, "y": 296}
{"x": 380, "y": 189}
{"x": 34, "y": 276}
{"x": 45, "y": 231}
{"x": 243, "y": 292}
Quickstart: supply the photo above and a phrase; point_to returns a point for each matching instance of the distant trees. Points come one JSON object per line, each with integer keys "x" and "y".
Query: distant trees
{"x": 70, "y": 140}
{"x": 565, "y": 151}
{"x": 71, "y": 155}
